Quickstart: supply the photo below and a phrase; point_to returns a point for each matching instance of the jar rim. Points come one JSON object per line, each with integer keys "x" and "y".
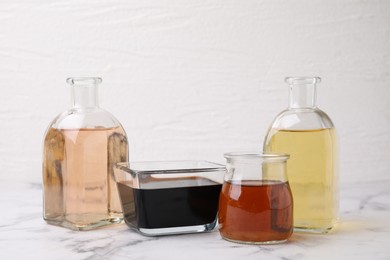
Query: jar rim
{"x": 257, "y": 155}
{"x": 302, "y": 80}
{"x": 84, "y": 81}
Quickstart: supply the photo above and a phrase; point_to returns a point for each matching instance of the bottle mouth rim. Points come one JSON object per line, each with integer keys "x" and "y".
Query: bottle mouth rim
{"x": 84, "y": 81}
{"x": 257, "y": 155}
{"x": 302, "y": 80}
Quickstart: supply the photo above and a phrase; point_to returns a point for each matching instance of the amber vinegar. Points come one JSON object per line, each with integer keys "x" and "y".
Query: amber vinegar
{"x": 262, "y": 212}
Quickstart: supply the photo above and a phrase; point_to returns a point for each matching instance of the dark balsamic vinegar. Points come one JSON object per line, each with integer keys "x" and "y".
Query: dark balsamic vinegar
{"x": 170, "y": 207}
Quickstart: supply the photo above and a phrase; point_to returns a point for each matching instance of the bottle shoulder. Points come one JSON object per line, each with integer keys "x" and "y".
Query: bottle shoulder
{"x": 302, "y": 119}
{"x": 84, "y": 118}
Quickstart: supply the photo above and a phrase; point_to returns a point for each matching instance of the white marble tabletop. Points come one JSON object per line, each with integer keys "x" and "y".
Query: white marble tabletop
{"x": 363, "y": 233}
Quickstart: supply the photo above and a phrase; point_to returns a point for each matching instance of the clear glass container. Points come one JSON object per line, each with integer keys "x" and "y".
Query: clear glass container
{"x": 172, "y": 197}
{"x": 256, "y": 205}
{"x": 308, "y": 135}
{"x": 81, "y": 146}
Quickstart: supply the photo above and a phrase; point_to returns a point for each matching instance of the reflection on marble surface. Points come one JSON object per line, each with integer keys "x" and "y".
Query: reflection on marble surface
{"x": 363, "y": 233}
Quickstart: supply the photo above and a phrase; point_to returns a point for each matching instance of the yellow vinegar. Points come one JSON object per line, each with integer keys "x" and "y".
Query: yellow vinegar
{"x": 312, "y": 172}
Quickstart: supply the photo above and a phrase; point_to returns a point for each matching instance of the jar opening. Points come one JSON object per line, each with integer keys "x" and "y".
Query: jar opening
{"x": 302, "y": 80}
{"x": 84, "y": 81}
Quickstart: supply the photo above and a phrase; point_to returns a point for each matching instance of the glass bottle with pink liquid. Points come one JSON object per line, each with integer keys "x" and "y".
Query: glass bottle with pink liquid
{"x": 80, "y": 147}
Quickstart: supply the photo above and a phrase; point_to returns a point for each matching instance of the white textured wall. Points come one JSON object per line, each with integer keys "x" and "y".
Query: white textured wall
{"x": 193, "y": 79}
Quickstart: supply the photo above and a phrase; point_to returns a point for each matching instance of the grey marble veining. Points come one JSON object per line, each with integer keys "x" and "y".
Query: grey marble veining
{"x": 362, "y": 233}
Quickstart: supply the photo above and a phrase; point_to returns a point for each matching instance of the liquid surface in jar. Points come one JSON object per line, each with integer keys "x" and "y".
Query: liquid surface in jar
{"x": 312, "y": 174}
{"x": 170, "y": 207}
{"x": 79, "y": 189}
{"x": 255, "y": 211}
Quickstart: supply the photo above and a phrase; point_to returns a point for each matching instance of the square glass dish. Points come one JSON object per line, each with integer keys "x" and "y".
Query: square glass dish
{"x": 171, "y": 197}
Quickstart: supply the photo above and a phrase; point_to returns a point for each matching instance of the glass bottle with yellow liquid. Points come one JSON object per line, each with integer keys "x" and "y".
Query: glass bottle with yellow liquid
{"x": 308, "y": 135}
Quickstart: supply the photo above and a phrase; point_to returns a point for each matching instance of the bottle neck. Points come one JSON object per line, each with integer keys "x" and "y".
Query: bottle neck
{"x": 302, "y": 96}
{"x": 85, "y": 96}
{"x": 302, "y": 91}
{"x": 85, "y": 92}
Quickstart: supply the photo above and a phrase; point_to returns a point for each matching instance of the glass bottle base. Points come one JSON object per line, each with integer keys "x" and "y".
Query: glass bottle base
{"x": 79, "y": 226}
{"x": 312, "y": 230}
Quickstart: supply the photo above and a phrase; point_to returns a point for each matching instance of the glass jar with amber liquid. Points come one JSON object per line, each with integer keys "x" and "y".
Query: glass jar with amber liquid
{"x": 255, "y": 205}
{"x": 308, "y": 135}
{"x": 81, "y": 146}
